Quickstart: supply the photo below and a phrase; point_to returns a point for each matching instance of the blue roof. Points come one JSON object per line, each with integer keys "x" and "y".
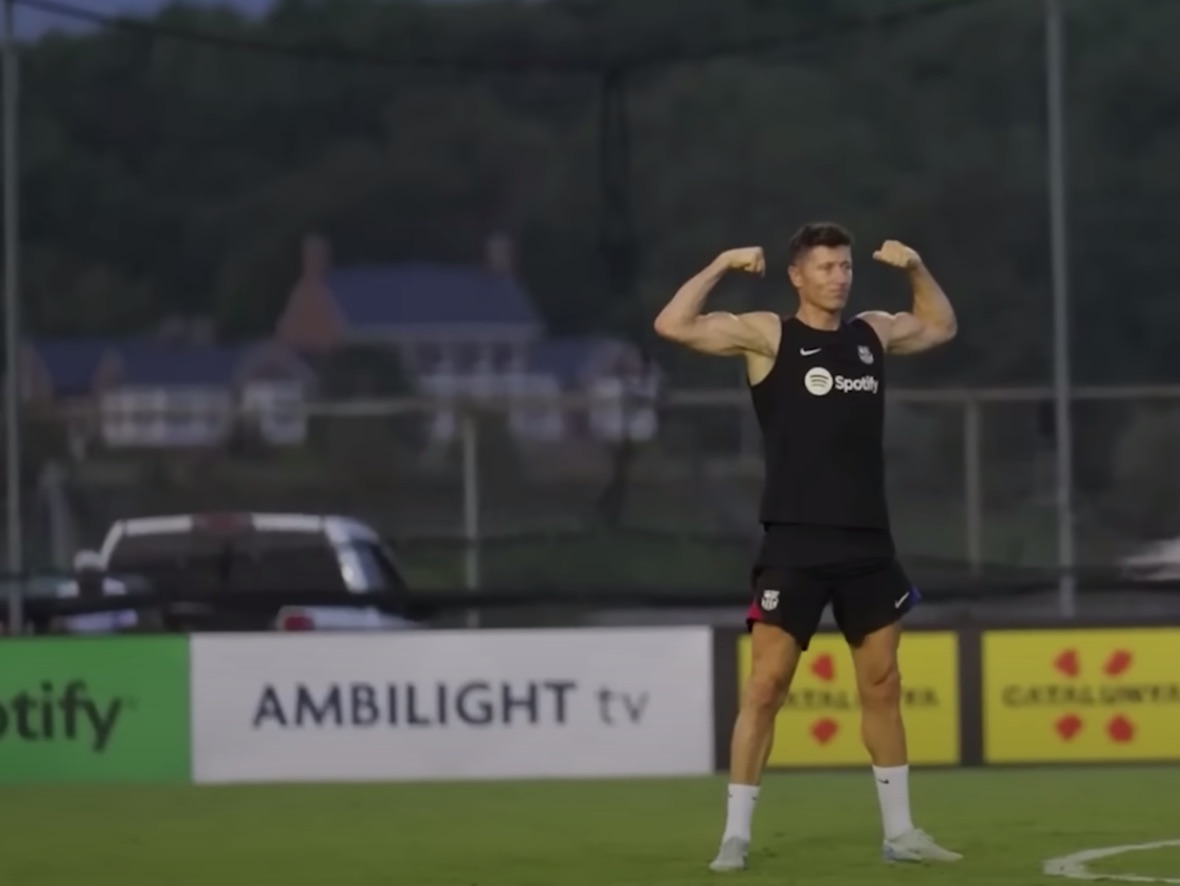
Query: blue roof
{"x": 71, "y": 363}
{"x": 159, "y": 363}
{"x": 429, "y": 295}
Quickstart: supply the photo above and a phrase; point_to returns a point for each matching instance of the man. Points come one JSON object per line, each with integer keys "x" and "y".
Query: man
{"x": 90, "y": 582}
{"x": 818, "y": 388}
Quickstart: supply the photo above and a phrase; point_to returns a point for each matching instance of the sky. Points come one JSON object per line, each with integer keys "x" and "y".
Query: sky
{"x": 33, "y": 22}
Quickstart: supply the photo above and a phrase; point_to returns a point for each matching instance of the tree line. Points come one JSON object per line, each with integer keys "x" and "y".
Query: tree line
{"x": 162, "y": 175}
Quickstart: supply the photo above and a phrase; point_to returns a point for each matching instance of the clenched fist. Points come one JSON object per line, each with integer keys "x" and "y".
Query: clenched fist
{"x": 749, "y": 259}
{"x": 897, "y": 254}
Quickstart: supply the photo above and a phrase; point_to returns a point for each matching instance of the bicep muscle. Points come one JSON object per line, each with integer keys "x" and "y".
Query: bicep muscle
{"x": 727, "y": 335}
{"x": 903, "y": 333}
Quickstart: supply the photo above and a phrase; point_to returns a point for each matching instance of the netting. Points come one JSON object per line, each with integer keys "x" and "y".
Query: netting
{"x": 400, "y": 261}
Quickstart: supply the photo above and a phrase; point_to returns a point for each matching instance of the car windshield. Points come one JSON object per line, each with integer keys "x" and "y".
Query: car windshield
{"x": 379, "y": 571}
{"x": 245, "y": 561}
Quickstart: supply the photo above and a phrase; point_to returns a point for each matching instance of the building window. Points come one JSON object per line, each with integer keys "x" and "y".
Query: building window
{"x": 166, "y": 417}
{"x": 276, "y": 410}
{"x": 428, "y": 358}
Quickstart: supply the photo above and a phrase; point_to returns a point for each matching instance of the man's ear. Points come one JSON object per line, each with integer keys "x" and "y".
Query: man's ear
{"x": 794, "y": 276}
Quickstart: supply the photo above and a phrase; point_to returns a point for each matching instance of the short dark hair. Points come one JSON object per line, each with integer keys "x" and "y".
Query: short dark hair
{"x": 815, "y": 234}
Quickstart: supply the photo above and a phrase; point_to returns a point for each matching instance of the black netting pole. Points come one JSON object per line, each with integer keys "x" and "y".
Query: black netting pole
{"x": 620, "y": 251}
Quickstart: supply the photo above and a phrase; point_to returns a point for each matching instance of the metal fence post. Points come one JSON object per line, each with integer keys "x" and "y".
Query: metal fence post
{"x": 973, "y": 482}
{"x": 1059, "y": 241}
{"x": 11, "y": 323}
{"x": 471, "y": 564}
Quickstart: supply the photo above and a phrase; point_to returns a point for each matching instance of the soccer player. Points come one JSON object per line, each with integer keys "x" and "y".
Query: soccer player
{"x": 818, "y": 386}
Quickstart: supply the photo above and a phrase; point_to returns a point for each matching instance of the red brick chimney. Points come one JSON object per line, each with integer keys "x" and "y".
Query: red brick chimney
{"x": 317, "y": 257}
{"x": 499, "y": 255}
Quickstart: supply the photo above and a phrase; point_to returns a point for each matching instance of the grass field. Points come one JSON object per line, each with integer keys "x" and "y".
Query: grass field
{"x": 810, "y": 829}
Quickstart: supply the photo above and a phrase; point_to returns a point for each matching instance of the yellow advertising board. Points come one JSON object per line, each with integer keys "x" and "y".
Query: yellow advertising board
{"x": 1090, "y": 695}
{"x": 820, "y": 723}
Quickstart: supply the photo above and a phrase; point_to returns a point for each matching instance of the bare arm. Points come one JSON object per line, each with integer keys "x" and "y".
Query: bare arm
{"x": 929, "y": 323}
{"x": 718, "y": 333}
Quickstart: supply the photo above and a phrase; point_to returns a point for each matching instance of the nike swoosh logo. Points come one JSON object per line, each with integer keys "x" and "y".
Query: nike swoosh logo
{"x": 807, "y": 353}
{"x": 902, "y": 599}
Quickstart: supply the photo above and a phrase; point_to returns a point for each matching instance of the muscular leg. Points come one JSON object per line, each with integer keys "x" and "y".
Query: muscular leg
{"x": 774, "y": 657}
{"x": 783, "y": 617}
{"x": 878, "y": 681}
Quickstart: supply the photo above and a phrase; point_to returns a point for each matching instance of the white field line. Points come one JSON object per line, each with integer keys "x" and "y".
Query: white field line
{"x": 1074, "y": 866}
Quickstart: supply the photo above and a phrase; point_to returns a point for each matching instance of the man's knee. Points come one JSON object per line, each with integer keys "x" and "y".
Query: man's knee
{"x": 775, "y": 655}
{"x": 766, "y": 691}
{"x": 878, "y": 677}
{"x": 880, "y": 687}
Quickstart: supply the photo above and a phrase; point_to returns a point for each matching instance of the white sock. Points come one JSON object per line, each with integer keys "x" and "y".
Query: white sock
{"x": 739, "y": 811}
{"x": 893, "y": 793}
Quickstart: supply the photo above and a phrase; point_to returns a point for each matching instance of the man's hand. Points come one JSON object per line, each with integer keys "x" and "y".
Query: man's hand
{"x": 898, "y": 255}
{"x": 750, "y": 259}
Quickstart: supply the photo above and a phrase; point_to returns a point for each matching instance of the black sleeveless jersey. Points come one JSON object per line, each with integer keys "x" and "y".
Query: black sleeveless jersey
{"x": 822, "y": 414}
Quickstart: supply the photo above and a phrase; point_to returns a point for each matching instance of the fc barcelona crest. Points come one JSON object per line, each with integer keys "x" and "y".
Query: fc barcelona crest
{"x": 866, "y": 355}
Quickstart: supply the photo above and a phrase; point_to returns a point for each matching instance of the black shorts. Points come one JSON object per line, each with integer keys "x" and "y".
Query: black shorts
{"x": 800, "y": 570}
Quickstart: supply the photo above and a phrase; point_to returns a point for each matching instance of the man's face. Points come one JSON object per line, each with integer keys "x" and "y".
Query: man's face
{"x": 823, "y": 277}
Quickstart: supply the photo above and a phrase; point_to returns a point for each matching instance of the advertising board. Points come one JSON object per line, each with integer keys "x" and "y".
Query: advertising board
{"x": 452, "y": 705}
{"x": 1090, "y": 695}
{"x": 94, "y": 709}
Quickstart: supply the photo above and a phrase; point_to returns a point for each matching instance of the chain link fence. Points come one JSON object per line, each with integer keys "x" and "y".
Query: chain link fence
{"x": 519, "y": 494}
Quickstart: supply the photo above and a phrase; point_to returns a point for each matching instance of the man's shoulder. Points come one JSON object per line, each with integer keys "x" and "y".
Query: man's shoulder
{"x": 878, "y": 323}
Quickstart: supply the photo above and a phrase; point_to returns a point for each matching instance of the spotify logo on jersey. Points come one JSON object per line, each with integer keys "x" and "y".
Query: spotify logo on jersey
{"x": 820, "y": 382}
